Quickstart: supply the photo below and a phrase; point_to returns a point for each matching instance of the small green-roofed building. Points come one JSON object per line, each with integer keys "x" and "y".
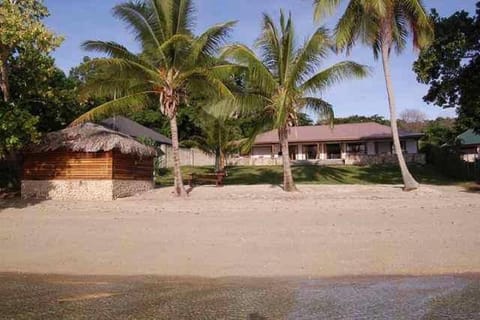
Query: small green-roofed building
{"x": 470, "y": 145}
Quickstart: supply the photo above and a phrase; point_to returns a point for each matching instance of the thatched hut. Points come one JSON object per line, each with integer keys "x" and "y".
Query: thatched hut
{"x": 87, "y": 162}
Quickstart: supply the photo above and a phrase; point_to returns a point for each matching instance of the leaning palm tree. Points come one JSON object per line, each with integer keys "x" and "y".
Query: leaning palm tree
{"x": 384, "y": 25}
{"x": 283, "y": 81}
{"x": 173, "y": 65}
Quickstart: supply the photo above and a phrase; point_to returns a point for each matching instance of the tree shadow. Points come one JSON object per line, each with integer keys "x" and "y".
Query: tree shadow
{"x": 256, "y": 316}
{"x": 18, "y": 202}
{"x": 390, "y": 174}
{"x": 463, "y": 304}
{"x": 11, "y": 175}
{"x": 320, "y": 174}
{"x": 314, "y": 174}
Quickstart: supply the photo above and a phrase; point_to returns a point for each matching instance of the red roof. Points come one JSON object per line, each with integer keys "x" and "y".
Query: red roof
{"x": 340, "y": 132}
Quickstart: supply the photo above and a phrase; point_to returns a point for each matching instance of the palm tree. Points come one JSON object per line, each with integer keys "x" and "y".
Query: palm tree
{"x": 283, "y": 81}
{"x": 173, "y": 65}
{"x": 384, "y": 25}
{"x": 220, "y": 137}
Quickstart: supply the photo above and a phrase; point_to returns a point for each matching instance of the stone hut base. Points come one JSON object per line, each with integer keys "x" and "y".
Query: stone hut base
{"x": 103, "y": 190}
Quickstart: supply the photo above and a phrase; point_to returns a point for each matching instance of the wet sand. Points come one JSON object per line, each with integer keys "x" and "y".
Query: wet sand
{"x": 152, "y": 297}
{"x": 248, "y": 231}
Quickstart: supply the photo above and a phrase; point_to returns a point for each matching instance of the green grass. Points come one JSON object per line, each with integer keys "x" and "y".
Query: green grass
{"x": 316, "y": 175}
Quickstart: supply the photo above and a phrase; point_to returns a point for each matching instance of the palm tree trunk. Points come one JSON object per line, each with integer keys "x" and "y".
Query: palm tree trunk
{"x": 217, "y": 160}
{"x": 288, "y": 183}
{"x": 179, "y": 188}
{"x": 4, "y": 87}
{"x": 221, "y": 165}
{"x": 408, "y": 180}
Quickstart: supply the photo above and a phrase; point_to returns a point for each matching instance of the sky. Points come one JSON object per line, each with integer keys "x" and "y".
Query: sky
{"x": 78, "y": 21}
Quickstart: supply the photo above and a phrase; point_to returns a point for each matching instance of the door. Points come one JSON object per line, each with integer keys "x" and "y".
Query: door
{"x": 292, "y": 151}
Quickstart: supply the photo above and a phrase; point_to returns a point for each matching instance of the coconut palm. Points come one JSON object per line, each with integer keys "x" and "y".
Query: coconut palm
{"x": 173, "y": 65}
{"x": 283, "y": 81}
{"x": 220, "y": 137}
{"x": 383, "y": 25}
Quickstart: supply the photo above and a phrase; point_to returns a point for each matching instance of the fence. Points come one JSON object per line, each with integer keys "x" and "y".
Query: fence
{"x": 450, "y": 162}
{"x": 188, "y": 157}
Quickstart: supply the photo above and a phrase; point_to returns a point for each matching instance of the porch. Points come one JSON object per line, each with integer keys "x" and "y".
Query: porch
{"x": 337, "y": 153}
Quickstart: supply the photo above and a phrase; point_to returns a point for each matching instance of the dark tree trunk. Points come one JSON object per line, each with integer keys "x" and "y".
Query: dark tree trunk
{"x": 4, "y": 86}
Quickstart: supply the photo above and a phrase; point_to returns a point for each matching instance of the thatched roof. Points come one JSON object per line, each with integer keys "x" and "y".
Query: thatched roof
{"x": 90, "y": 137}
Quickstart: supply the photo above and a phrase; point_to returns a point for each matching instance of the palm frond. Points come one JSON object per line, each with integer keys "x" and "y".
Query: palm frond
{"x": 309, "y": 56}
{"x": 202, "y": 74}
{"x": 241, "y": 105}
{"x": 100, "y": 86}
{"x": 421, "y": 26}
{"x": 348, "y": 27}
{"x": 209, "y": 43}
{"x": 182, "y": 16}
{"x": 324, "y": 8}
{"x": 338, "y": 72}
{"x": 119, "y": 106}
{"x": 269, "y": 44}
{"x": 125, "y": 68}
{"x": 258, "y": 72}
{"x": 320, "y": 107}
{"x": 114, "y": 50}
{"x": 137, "y": 15}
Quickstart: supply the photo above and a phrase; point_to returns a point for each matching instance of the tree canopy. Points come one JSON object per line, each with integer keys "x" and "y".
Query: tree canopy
{"x": 451, "y": 66}
{"x": 37, "y": 95}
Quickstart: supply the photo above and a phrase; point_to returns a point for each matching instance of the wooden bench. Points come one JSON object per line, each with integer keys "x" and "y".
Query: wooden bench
{"x": 212, "y": 178}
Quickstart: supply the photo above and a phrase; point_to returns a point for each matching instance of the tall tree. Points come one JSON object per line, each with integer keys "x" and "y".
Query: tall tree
{"x": 172, "y": 65}
{"x": 22, "y": 27}
{"x": 412, "y": 120}
{"x": 283, "y": 80}
{"x": 451, "y": 66}
{"x": 383, "y": 25}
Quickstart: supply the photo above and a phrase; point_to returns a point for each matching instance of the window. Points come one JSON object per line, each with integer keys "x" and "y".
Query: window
{"x": 310, "y": 151}
{"x": 356, "y": 148}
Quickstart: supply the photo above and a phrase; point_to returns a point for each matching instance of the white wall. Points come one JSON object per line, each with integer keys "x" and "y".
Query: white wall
{"x": 259, "y": 152}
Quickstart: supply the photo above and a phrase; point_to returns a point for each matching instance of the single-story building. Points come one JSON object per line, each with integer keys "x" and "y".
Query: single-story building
{"x": 87, "y": 162}
{"x": 353, "y": 143}
{"x": 469, "y": 145}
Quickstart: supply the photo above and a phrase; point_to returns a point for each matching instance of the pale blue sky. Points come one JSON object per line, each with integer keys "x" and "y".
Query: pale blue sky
{"x": 84, "y": 20}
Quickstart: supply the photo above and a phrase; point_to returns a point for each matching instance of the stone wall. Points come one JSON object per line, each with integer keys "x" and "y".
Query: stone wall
{"x": 254, "y": 161}
{"x": 188, "y": 157}
{"x": 351, "y": 159}
{"x": 363, "y": 159}
{"x": 98, "y": 190}
{"x": 127, "y": 188}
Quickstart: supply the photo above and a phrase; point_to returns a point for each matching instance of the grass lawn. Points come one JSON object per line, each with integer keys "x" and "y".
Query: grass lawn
{"x": 316, "y": 175}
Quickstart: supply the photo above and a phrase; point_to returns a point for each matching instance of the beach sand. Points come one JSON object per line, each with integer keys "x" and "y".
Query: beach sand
{"x": 321, "y": 231}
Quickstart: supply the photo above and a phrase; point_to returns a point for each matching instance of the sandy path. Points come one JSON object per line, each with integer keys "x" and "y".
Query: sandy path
{"x": 249, "y": 231}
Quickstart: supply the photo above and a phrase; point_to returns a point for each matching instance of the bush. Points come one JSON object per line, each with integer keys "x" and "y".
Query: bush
{"x": 448, "y": 161}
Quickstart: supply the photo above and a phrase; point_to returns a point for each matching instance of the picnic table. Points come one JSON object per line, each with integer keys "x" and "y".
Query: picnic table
{"x": 205, "y": 178}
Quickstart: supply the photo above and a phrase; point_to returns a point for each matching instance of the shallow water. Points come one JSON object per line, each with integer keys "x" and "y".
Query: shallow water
{"x": 150, "y": 297}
